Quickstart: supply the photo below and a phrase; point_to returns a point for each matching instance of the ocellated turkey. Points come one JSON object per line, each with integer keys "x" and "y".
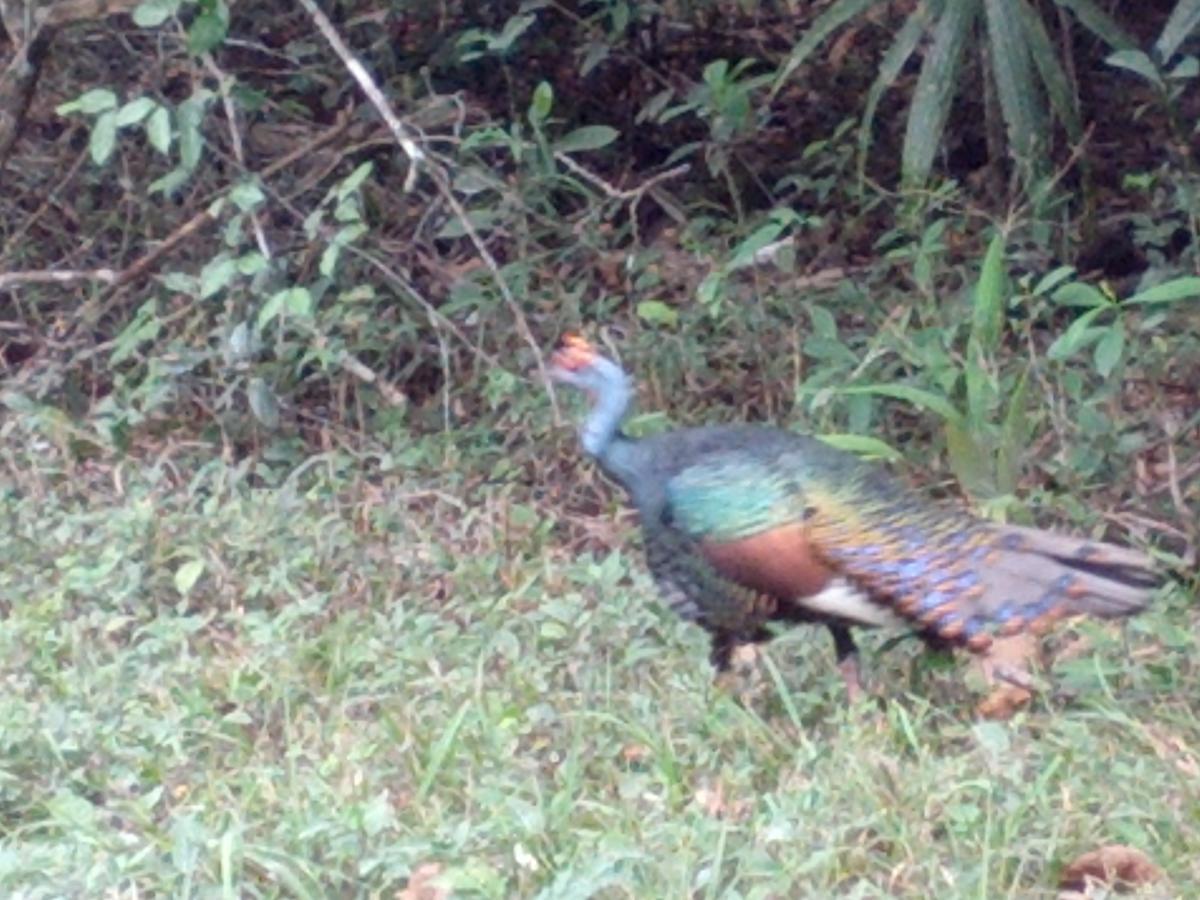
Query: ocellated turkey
{"x": 748, "y": 525}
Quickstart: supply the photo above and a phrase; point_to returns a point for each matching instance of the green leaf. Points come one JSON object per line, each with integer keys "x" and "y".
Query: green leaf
{"x": 540, "y": 105}
{"x": 169, "y": 183}
{"x": 296, "y": 300}
{"x": 206, "y": 32}
{"x": 744, "y": 253}
{"x": 1184, "y": 18}
{"x": 513, "y": 29}
{"x": 246, "y": 195}
{"x": 868, "y": 447}
{"x": 378, "y": 815}
{"x": 988, "y": 312}
{"x": 595, "y": 52}
{"x": 346, "y": 235}
{"x": 1108, "y": 351}
{"x": 134, "y": 111}
{"x": 936, "y": 86}
{"x": 72, "y": 812}
{"x": 263, "y": 404}
{"x": 299, "y": 302}
{"x": 655, "y": 312}
{"x": 1078, "y": 335}
{"x": 1053, "y": 279}
{"x": 824, "y": 325}
{"x": 1099, "y": 23}
{"x": 349, "y": 210}
{"x": 190, "y": 116}
{"x": 1014, "y": 436}
{"x": 980, "y": 392}
{"x": 708, "y": 293}
{"x": 104, "y": 138}
{"x": 353, "y": 181}
{"x": 152, "y": 13}
{"x": 158, "y": 130}
{"x": 1139, "y": 63}
{"x": 914, "y": 395}
{"x": 1080, "y": 293}
{"x": 442, "y": 751}
{"x": 251, "y": 263}
{"x": 968, "y": 460}
{"x": 187, "y": 575}
{"x": 91, "y": 103}
{"x": 241, "y": 345}
{"x": 825, "y": 24}
{"x": 589, "y": 137}
{"x": 143, "y": 328}
{"x": 1169, "y": 291}
{"x": 1185, "y": 70}
{"x": 216, "y": 274}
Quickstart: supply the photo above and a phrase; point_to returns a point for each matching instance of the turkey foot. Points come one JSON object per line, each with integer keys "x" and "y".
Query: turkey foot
{"x": 852, "y": 677}
{"x": 1005, "y": 667}
{"x": 847, "y": 661}
{"x": 742, "y": 676}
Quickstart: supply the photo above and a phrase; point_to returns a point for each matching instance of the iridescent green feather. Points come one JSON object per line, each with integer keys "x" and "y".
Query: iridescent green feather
{"x": 732, "y": 497}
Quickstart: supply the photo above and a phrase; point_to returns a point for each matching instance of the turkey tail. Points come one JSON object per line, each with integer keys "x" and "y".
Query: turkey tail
{"x": 1050, "y": 576}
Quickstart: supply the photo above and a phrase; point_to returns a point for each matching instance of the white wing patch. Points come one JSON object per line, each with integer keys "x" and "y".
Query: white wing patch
{"x": 841, "y": 599}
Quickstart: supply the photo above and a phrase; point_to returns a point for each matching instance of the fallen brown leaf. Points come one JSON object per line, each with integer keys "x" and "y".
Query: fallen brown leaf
{"x": 422, "y": 884}
{"x": 713, "y": 800}
{"x": 1114, "y": 864}
{"x": 635, "y": 753}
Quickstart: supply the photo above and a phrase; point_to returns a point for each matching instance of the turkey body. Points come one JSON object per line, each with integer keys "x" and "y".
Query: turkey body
{"x": 749, "y": 525}
{"x": 727, "y": 513}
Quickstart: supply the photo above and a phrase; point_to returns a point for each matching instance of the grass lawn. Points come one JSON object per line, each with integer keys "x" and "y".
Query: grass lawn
{"x": 322, "y": 687}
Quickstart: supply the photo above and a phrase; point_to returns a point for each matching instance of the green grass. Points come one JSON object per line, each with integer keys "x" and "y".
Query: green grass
{"x": 368, "y": 679}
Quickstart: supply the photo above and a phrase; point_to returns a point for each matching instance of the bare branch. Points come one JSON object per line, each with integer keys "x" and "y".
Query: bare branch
{"x": 419, "y": 159}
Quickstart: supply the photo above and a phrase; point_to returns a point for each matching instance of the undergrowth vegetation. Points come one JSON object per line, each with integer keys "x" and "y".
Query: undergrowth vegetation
{"x": 306, "y": 590}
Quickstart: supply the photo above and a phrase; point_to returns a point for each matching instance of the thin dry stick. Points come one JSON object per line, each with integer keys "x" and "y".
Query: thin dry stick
{"x": 235, "y": 140}
{"x": 44, "y": 276}
{"x": 635, "y": 194}
{"x": 419, "y": 159}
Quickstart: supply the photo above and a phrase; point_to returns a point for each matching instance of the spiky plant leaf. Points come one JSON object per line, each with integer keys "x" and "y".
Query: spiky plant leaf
{"x": 1014, "y": 436}
{"x": 935, "y": 90}
{"x": 918, "y": 397}
{"x": 829, "y": 21}
{"x": 1184, "y": 19}
{"x": 867, "y": 447}
{"x": 969, "y": 459}
{"x": 1099, "y": 23}
{"x": 988, "y": 312}
{"x": 1013, "y": 70}
{"x": 1058, "y": 87}
{"x": 889, "y": 70}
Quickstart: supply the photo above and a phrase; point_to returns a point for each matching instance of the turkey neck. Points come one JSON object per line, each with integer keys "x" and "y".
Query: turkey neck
{"x": 601, "y": 434}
